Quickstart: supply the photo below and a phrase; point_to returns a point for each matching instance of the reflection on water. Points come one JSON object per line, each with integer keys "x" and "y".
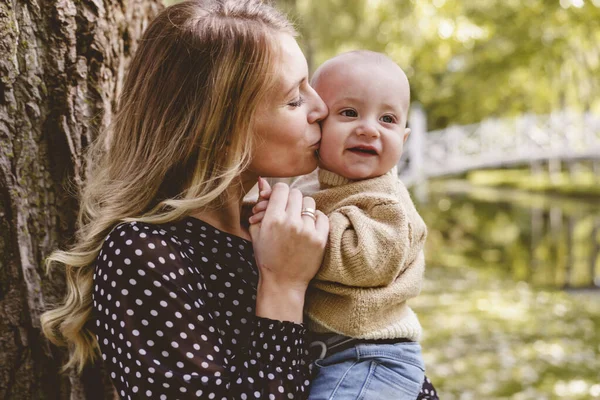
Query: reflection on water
{"x": 545, "y": 240}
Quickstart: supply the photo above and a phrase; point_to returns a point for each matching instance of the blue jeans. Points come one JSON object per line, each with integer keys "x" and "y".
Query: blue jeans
{"x": 370, "y": 372}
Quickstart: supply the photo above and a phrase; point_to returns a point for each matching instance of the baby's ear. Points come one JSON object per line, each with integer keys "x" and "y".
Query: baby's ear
{"x": 406, "y": 133}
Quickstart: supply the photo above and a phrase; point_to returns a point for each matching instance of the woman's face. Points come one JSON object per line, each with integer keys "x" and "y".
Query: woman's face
{"x": 287, "y": 122}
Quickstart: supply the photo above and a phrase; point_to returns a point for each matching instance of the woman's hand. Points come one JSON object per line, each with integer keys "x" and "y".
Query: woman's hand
{"x": 288, "y": 249}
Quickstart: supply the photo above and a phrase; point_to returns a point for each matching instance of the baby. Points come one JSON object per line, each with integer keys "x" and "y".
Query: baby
{"x": 356, "y": 305}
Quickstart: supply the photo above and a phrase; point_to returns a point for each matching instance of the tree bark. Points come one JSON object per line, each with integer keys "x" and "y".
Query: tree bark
{"x": 62, "y": 64}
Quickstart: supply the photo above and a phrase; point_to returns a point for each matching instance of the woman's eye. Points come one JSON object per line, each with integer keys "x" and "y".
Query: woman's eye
{"x": 297, "y": 103}
{"x": 349, "y": 113}
{"x": 388, "y": 119}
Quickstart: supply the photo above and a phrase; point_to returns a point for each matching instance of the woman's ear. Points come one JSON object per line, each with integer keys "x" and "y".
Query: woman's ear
{"x": 406, "y": 133}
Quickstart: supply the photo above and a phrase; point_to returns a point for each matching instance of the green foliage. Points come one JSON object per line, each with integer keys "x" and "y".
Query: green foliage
{"x": 468, "y": 60}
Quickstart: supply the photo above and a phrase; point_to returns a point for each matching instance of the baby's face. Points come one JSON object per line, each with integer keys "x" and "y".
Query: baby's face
{"x": 365, "y": 131}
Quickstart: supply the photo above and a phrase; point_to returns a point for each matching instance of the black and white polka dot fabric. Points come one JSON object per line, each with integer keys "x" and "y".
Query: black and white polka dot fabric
{"x": 428, "y": 392}
{"x": 173, "y": 313}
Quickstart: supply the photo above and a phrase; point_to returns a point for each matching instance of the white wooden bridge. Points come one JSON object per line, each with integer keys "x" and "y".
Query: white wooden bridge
{"x": 494, "y": 143}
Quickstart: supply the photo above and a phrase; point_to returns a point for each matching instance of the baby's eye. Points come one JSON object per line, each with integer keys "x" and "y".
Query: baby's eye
{"x": 388, "y": 119}
{"x": 349, "y": 113}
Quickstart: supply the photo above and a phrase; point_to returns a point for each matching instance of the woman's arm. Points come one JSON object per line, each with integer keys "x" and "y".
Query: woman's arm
{"x": 288, "y": 249}
{"x": 160, "y": 331}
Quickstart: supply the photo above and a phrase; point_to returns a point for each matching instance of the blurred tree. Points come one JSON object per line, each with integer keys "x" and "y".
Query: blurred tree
{"x": 61, "y": 69}
{"x": 471, "y": 60}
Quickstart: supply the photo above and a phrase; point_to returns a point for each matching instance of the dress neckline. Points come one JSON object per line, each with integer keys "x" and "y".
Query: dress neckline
{"x": 201, "y": 226}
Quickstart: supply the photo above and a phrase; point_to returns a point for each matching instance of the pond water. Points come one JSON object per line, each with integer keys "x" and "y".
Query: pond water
{"x": 547, "y": 241}
{"x": 510, "y": 306}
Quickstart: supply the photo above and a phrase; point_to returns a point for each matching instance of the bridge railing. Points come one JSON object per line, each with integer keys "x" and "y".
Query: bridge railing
{"x": 494, "y": 143}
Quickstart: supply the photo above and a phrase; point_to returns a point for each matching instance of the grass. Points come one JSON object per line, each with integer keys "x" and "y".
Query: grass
{"x": 486, "y": 337}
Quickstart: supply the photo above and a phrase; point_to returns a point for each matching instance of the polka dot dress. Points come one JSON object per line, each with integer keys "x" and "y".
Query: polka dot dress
{"x": 428, "y": 392}
{"x": 174, "y": 316}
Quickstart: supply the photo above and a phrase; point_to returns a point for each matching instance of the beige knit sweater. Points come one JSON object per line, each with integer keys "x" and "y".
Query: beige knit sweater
{"x": 373, "y": 261}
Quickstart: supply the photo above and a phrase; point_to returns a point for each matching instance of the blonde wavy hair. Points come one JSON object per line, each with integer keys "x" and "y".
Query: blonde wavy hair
{"x": 180, "y": 138}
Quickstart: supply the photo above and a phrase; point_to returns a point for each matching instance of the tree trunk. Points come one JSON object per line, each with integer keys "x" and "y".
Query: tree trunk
{"x": 61, "y": 68}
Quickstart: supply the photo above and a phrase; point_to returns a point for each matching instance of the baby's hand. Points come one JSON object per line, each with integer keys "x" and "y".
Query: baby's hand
{"x": 264, "y": 193}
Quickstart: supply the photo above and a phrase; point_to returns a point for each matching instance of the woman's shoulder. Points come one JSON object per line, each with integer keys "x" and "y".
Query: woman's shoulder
{"x": 142, "y": 247}
{"x": 141, "y": 236}
{"x": 141, "y": 230}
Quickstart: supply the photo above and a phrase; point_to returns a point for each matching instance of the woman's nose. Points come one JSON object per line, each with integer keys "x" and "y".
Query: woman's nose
{"x": 319, "y": 110}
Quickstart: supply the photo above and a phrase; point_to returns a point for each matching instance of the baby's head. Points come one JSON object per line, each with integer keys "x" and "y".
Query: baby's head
{"x": 368, "y": 96}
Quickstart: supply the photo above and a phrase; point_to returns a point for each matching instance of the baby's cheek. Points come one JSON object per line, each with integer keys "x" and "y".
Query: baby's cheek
{"x": 327, "y": 153}
{"x": 331, "y": 145}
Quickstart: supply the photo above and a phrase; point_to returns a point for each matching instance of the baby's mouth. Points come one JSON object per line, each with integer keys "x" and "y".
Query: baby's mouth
{"x": 363, "y": 150}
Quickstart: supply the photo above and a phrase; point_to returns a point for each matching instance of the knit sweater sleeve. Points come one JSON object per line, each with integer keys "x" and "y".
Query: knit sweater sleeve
{"x": 371, "y": 235}
{"x": 367, "y": 246}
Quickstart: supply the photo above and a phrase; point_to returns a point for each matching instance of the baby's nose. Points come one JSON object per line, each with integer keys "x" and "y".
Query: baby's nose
{"x": 368, "y": 129}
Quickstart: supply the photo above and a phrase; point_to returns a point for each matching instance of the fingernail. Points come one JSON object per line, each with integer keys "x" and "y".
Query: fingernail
{"x": 260, "y": 184}
{"x": 263, "y": 193}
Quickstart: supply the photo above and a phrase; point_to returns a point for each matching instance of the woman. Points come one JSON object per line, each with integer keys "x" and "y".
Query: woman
{"x": 164, "y": 281}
